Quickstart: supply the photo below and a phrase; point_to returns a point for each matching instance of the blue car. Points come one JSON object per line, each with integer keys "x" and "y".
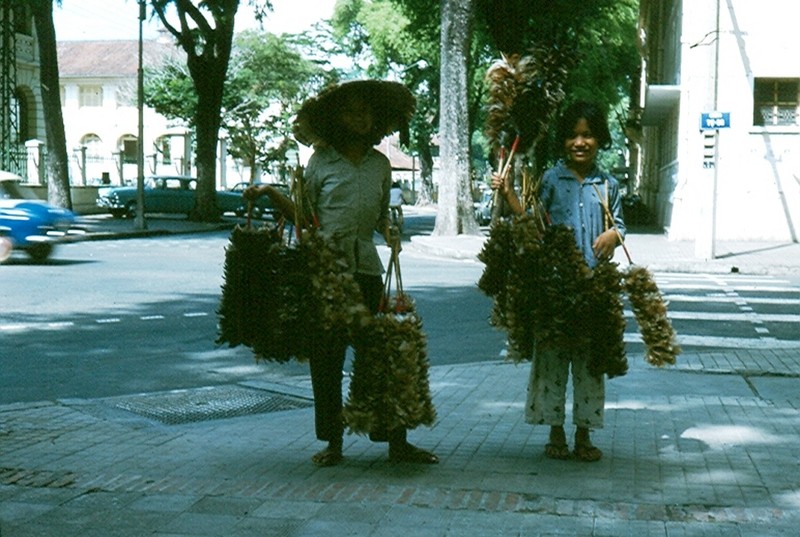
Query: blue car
{"x": 29, "y": 224}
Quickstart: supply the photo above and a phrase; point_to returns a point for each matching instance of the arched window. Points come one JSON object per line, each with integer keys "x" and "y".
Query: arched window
{"x": 23, "y": 20}
{"x": 23, "y": 110}
{"x": 128, "y": 146}
{"x": 93, "y": 143}
{"x": 164, "y": 149}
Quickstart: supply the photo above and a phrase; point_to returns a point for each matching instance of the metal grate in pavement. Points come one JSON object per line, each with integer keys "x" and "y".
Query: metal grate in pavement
{"x": 24, "y": 477}
{"x": 209, "y": 403}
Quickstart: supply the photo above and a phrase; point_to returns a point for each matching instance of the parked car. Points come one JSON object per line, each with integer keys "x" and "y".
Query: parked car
{"x": 483, "y": 207}
{"x": 165, "y": 194}
{"x": 29, "y": 224}
{"x": 263, "y": 205}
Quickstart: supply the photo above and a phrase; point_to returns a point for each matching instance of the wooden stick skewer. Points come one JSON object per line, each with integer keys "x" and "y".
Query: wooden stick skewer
{"x": 507, "y": 167}
{"x": 613, "y": 224}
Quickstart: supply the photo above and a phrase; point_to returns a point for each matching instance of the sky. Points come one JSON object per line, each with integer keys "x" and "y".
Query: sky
{"x": 119, "y": 19}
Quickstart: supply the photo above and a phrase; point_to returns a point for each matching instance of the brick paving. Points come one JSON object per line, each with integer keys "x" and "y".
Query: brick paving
{"x": 700, "y": 461}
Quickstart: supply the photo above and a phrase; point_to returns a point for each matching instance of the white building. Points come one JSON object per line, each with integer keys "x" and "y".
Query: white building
{"x": 734, "y": 64}
{"x": 101, "y": 116}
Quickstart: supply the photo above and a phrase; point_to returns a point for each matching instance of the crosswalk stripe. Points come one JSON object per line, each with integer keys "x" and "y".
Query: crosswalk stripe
{"x": 726, "y": 298}
{"x": 715, "y": 287}
{"x": 736, "y": 317}
{"x": 724, "y": 342}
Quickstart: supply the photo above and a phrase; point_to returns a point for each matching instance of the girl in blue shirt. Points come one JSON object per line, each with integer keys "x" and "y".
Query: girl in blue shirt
{"x": 573, "y": 193}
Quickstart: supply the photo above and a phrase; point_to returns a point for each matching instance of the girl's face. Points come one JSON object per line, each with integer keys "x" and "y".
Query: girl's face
{"x": 581, "y": 146}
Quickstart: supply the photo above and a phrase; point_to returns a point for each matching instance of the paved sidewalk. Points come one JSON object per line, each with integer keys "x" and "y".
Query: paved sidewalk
{"x": 708, "y": 447}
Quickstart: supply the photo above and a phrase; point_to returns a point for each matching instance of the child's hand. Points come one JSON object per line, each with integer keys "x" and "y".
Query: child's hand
{"x": 252, "y": 192}
{"x": 500, "y": 183}
{"x": 391, "y": 235}
{"x": 605, "y": 244}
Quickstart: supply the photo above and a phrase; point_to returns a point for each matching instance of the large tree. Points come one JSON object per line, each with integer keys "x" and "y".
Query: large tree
{"x": 204, "y": 30}
{"x": 57, "y": 162}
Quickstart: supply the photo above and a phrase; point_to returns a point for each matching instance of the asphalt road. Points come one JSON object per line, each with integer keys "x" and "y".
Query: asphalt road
{"x": 115, "y": 317}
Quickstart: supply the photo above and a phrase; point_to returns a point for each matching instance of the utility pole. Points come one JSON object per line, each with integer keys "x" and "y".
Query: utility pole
{"x": 704, "y": 246}
{"x": 139, "y": 221}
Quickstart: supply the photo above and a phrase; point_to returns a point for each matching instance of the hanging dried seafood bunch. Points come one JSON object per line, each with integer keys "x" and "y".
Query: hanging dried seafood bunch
{"x": 389, "y": 385}
{"x": 509, "y": 255}
{"x": 255, "y": 294}
{"x": 605, "y": 321}
{"x": 577, "y": 308}
{"x": 285, "y": 294}
{"x": 650, "y": 310}
{"x": 330, "y": 312}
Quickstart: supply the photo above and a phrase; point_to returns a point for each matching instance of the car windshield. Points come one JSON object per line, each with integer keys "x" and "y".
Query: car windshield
{"x": 13, "y": 190}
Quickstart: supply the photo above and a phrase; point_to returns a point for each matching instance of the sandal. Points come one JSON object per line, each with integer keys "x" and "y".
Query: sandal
{"x": 327, "y": 457}
{"x": 410, "y": 453}
{"x": 588, "y": 453}
{"x": 557, "y": 451}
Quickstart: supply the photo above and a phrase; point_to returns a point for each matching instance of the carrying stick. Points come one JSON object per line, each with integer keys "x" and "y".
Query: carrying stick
{"x": 610, "y": 217}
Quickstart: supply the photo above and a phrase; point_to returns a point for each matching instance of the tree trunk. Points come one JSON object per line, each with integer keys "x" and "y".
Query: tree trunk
{"x": 455, "y": 213}
{"x": 425, "y": 192}
{"x": 57, "y": 162}
{"x": 208, "y": 50}
{"x": 207, "y": 123}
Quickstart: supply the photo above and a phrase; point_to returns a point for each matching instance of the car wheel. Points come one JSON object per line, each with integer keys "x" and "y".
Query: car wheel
{"x": 40, "y": 252}
{"x": 130, "y": 209}
{"x": 117, "y": 213}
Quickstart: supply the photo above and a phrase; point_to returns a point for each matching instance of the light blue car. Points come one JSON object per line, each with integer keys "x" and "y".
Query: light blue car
{"x": 29, "y": 224}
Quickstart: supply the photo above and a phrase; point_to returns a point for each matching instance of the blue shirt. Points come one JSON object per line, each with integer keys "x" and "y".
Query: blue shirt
{"x": 351, "y": 202}
{"x": 578, "y": 206}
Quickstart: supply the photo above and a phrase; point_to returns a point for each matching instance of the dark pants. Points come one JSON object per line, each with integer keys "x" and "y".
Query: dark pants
{"x": 326, "y": 376}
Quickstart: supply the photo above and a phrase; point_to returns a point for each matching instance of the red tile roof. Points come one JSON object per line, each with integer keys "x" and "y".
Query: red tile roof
{"x": 109, "y": 58}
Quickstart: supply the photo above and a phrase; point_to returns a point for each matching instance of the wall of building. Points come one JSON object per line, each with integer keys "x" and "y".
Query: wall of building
{"x": 753, "y": 192}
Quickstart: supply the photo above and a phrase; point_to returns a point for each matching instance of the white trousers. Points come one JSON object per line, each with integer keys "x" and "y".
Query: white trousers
{"x": 547, "y": 391}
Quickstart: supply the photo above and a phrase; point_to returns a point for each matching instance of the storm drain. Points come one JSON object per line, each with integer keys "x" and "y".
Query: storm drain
{"x": 210, "y": 403}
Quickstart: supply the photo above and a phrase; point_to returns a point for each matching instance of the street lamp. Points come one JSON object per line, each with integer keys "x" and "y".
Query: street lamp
{"x": 139, "y": 222}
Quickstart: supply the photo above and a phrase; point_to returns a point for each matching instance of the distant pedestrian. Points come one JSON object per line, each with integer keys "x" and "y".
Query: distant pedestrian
{"x": 396, "y": 204}
{"x": 573, "y": 193}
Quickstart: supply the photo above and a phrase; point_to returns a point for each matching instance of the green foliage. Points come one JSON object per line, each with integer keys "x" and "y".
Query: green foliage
{"x": 169, "y": 90}
{"x": 267, "y": 80}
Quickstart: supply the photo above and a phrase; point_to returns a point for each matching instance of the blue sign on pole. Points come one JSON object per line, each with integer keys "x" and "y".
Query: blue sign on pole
{"x": 715, "y": 120}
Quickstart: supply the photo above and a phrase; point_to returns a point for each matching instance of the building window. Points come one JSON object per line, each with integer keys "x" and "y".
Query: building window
{"x": 94, "y": 145}
{"x": 91, "y": 96}
{"x": 22, "y": 111}
{"x": 776, "y": 101}
{"x": 129, "y": 147}
{"x": 23, "y": 20}
{"x": 163, "y": 149}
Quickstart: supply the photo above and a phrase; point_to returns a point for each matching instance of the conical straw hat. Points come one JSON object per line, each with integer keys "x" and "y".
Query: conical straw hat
{"x": 392, "y": 105}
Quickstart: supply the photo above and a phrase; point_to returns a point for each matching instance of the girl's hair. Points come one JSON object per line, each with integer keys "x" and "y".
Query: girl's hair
{"x": 594, "y": 116}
